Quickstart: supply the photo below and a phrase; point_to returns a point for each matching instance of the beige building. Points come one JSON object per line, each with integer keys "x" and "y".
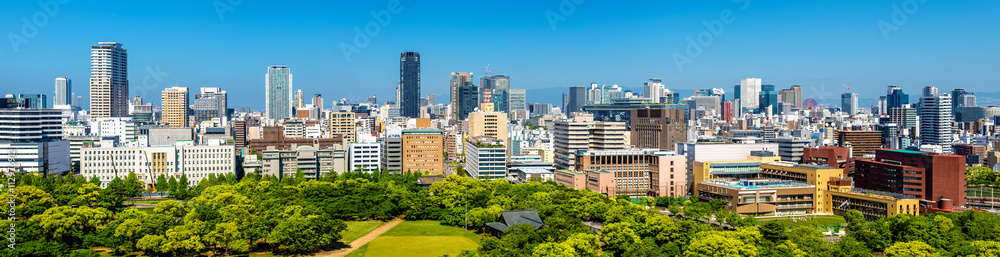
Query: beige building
{"x": 148, "y": 163}
{"x": 583, "y": 133}
{"x": 313, "y": 162}
{"x": 175, "y": 107}
{"x": 488, "y": 123}
{"x": 108, "y": 80}
{"x": 423, "y": 151}
{"x": 639, "y": 172}
{"x": 343, "y": 123}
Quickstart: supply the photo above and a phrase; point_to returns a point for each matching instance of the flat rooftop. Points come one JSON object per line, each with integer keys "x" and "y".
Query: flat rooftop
{"x": 744, "y": 184}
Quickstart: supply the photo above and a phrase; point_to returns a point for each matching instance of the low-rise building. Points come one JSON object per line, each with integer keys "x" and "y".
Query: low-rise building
{"x": 485, "y": 158}
{"x": 638, "y": 172}
{"x": 148, "y": 163}
{"x": 364, "y": 156}
{"x": 312, "y": 161}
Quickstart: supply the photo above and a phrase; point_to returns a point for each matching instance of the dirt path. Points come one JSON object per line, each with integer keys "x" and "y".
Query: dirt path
{"x": 363, "y": 240}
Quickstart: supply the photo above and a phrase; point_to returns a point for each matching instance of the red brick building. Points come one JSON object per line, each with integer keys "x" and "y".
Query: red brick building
{"x": 833, "y": 156}
{"x": 936, "y": 176}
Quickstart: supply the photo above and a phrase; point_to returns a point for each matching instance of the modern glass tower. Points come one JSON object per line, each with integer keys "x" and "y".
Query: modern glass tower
{"x": 279, "y": 92}
{"x": 64, "y": 92}
{"x": 409, "y": 84}
{"x": 849, "y": 103}
{"x": 895, "y": 97}
{"x": 108, "y": 80}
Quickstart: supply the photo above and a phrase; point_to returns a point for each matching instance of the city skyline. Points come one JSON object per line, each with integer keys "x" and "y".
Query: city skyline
{"x": 539, "y": 45}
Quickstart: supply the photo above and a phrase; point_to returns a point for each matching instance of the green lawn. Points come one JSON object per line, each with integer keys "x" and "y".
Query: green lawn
{"x": 357, "y": 229}
{"x": 813, "y": 219}
{"x": 420, "y": 238}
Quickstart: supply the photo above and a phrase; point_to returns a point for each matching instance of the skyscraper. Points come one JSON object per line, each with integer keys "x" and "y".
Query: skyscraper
{"x": 279, "y": 92}
{"x": 654, "y": 89}
{"x": 849, "y": 103}
{"x": 468, "y": 99}
{"x": 768, "y": 100}
{"x": 175, "y": 106}
{"x": 108, "y": 80}
{"x": 458, "y": 79}
{"x": 936, "y": 119}
{"x": 792, "y": 95}
{"x": 577, "y": 98}
{"x": 498, "y": 82}
{"x": 516, "y": 100}
{"x": 749, "y": 93}
{"x": 409, "y": 84}
{"x": 35, "y": 101}
{"x": 210, "y": 103}
{"x": 595, "y": 94}
{"x": 896, "y": 98}
{"x": 317, "y": 102}
{"x": 64, "y": 92}
{"x": 299, "y": 99}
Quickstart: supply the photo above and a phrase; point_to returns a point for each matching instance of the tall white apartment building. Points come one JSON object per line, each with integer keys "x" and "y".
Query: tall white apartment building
{"x": 936, "y": 119}
{"x": 654, "y": 89}
{"x": 148, "y": 163}
{"x": 108, "y": 80}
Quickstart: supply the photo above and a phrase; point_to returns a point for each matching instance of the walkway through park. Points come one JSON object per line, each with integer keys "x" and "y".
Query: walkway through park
{"x": 363, "y": 240}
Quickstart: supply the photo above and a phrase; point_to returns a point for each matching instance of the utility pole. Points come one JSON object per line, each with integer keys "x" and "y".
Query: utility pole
{"x": 466, "y": 207}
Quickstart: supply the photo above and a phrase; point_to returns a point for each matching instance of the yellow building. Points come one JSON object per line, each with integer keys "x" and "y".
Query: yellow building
{"x": 175, "y": 106}
{"x": 817, "y": 175}
{"x": 873, "y": 204}
{"x": 343, "y": 123}
{"x": 486, "y": 122}
{"x": 706, "y": 171}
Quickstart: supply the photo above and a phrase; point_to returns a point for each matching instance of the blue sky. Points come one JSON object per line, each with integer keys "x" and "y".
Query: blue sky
{"x": 817, "y": 44}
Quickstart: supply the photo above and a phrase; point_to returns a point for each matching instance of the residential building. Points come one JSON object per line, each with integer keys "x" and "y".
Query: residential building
{"x": 936, "y": 119}
{"x": 108, "y": 80}
{"x": 658, "y": 128}
{"x": 343, "y": 123}
{"x": 278, "y": 92}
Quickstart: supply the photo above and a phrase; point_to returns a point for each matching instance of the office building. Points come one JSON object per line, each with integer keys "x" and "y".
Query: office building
{"x": 849, "y": 103}
{"x": 364, "y": 157}
{"x": 148, "y": 163}
{"x": 33, "y": 141}
{"x": 861, "y": 143}
{"x": 488, "y": 123}
{"x": 314, "y": 162}
{"x": 458, "y": 80}
{"x": 895, "y": 97}
{"x": 422, "y": 151}
{"x": 768, "y": 100}
{"x": 409, "y": 84}
{"x": 516, "y": 100}
{"x": 275, "y": 136}
{"x": 576, "y": 99}
{"x": 657, "y": 128}
{"x": 748, "y": 91}
{"x": 793, "y": 95}
{"x": 108, "y": 80}
{"x": 791, "y": 149}
{"x": 64, "y": 92}
{"x": 936, "y": 119}
{"x": 485, "y": 158}
{"x": 499, "y": 98}
{"x": 928, "y": 176}
{"x": 175, "y": 107}
{"x": 833, "y": 156}
{"x": 35, "y": 101}
{"x": 655, "y": 91}
{"x": 468, "y": 100}
{"x": 582, "y": 133}
{"x": 123, "y": 129}
{"x": 495, "y": 82}
{"x": 279, "y": 93}
{"x": 904, "y": 117}
{"x": 210, "y": 103}
{"x": 317, "y": 110}
{"x": 638, "y": 172}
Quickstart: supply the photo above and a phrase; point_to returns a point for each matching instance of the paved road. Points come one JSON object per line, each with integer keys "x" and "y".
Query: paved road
{"x": 363, "y": 240}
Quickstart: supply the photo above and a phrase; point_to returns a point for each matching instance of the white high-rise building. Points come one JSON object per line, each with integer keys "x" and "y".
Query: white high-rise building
{"x": 64, "y": 92}
{"x": 108, "y": 80}
{"x": 594, "y": 94}
{"x": 654, "y": 89}
{"x": 279, "y": 92}
{"x": 936, "y": 119}
{"x": 849, "y": 103}
{"x": 749, "y": 93}
{"x": 611, "y": 92}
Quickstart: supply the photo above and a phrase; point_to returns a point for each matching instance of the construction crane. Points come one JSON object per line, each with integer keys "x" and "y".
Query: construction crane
{"x": 848, "y": 88}
{"x": 486, "y": 70}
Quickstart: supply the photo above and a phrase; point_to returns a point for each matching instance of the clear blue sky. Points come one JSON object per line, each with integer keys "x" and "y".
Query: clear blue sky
{"x": 819, "y": 45}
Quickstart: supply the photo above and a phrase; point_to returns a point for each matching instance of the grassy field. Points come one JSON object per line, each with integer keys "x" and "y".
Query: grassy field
{"x": 813, "y": 219}
{"x": 357, "y": 229}
{"x": 420, "y": 238}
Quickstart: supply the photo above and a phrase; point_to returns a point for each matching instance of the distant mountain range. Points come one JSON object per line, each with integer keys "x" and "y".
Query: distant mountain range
{"x": 553, "y": 95}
